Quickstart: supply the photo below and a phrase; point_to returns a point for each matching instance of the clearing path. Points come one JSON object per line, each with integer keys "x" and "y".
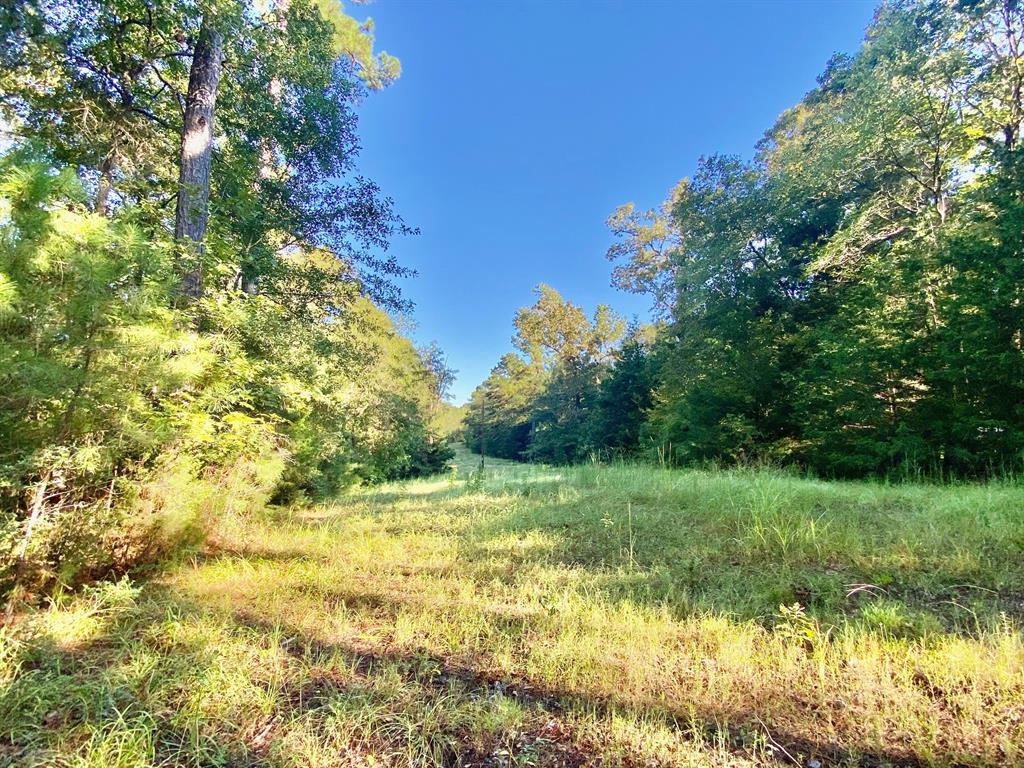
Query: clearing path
{"x": 547, "y": 617}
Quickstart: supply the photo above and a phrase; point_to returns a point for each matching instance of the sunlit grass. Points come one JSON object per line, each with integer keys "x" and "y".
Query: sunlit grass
{"x": 624, "y": 614}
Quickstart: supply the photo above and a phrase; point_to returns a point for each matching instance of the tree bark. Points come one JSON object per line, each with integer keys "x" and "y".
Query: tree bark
{"x": 197, "y": 151}
{"x": 106, "y": 183}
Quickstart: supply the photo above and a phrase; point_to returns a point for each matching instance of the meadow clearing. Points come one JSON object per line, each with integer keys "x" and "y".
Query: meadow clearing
{"x": 532, "y": 616}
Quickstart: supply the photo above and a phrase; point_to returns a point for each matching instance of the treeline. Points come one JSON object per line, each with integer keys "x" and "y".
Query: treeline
{"x": 194, "y": 282}
{"x": 575, "y": 386}
{"x": 851, "y": 300}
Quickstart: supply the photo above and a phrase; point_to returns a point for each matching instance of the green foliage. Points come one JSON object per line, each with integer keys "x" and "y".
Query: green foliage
{"x": 849, "y": 301}
{"x": 129, "y": 417}
{"x": 540, "y": 403}
{"x": 624, "y": 396}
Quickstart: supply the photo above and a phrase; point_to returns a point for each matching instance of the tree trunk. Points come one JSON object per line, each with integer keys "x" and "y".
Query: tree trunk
{"x": 197, "y": 151}
{"x": 106, "y": 183}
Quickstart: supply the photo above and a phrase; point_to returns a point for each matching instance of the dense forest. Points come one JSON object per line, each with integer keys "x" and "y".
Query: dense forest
{"x": 848, "y": 301}
{"x": 197, "y": 301}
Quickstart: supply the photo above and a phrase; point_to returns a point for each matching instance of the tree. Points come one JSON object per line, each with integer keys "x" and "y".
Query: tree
{"x": 848, "y": 300}
{"x": 624, "y": 397}
{"x": 126, "y": 426}
{"x": 197, "y": 150}
{"x": 644, "y": 252}
{"x": 104, "y": 86}
{"x": 440, "y": 378}
{"x": 498, "y": 416}
{"x": 537, "y": 403}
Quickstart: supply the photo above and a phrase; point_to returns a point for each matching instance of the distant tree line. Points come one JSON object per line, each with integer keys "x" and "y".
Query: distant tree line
{"x": 851, "y": 300}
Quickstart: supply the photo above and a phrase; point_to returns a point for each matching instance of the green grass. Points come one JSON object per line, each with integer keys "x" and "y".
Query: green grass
{"x": 619, "y": 615}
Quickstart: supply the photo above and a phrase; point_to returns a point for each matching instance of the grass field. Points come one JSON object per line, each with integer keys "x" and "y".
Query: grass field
{"x": 547, "y": 617}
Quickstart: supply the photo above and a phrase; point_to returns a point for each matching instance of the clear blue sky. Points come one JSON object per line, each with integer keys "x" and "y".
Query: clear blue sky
{"x": 517, "y": 127}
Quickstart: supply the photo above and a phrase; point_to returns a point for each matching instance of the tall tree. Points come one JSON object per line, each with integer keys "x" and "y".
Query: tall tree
{"x": 644, "y": 252}
{"x": 192, "y": 213}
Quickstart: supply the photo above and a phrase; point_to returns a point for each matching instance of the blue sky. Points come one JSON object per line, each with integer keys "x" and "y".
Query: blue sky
{"x": 517, "y": 127}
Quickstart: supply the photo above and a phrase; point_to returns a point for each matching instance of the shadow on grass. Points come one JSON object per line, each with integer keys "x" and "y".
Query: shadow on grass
{"x": 69, "y": 696}
{"x": 103, "y": 702}
{"x": 87, "y": 702}
{"x": 438, "y": 674}
{"x": 388, "y": 498}
{"x": 215, "y": 553}
{"x": 674, "y": 558}
{"x": 738, "y": 728}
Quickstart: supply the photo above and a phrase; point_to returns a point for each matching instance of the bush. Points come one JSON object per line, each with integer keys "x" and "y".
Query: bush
{"x": 128, "y": 423}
